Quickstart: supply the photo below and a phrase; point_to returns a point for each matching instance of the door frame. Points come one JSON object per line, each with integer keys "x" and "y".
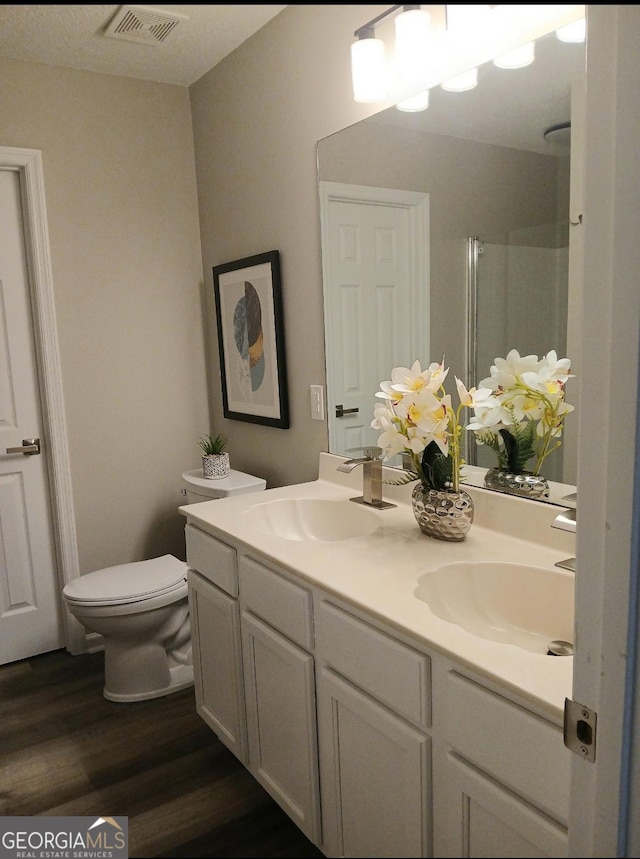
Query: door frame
{"x": 28, "y": 164}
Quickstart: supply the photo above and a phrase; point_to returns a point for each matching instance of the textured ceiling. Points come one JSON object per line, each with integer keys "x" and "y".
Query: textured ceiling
{"x": 72, "y": 36}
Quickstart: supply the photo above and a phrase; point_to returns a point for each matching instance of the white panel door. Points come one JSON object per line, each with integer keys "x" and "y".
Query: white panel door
{"x": 375, "y": 261}
{"x": 30, "y": 605}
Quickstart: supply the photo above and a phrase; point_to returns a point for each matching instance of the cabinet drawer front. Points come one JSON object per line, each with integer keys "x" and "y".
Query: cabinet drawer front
{"x": 212, "y": 559}
{"x": 527, "y": 753}
{"x": 281, "y": 603}
{"x": 395, "y": 674}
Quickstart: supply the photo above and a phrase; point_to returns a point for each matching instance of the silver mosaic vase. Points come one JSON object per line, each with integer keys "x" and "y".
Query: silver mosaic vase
{"x": 443, "y": 514}
{"x": 526, "y": 484}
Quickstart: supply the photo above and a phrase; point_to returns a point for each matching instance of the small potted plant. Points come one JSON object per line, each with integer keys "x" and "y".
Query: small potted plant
{"x": 215, "y": 460}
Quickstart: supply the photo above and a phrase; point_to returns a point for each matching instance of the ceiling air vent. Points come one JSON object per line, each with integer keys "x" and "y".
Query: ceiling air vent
{"x": 143, "y": 24}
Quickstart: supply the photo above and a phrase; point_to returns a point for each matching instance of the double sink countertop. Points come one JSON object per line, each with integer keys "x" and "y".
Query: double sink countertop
{"x": 379, "y": 572}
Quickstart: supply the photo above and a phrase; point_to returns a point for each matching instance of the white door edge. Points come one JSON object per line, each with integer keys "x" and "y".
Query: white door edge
{"x": 28, "y": 163}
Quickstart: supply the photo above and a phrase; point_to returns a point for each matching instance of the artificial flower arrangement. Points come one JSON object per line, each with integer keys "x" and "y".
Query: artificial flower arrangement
{"x": 524, "y": 417}
{"x": 417, "y": 418}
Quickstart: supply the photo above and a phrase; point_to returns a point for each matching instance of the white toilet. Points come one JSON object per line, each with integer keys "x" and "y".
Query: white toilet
{"x": 141, "y": 609}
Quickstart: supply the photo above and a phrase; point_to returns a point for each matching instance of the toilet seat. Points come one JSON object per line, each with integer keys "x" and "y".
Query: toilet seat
{"x": 159, "y": 580}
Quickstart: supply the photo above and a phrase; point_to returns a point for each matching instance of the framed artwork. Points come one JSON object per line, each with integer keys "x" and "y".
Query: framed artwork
{"x": 248, "y": 296}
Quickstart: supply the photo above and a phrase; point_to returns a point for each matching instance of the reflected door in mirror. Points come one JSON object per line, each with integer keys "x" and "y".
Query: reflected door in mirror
{"x": 375, "y": 253}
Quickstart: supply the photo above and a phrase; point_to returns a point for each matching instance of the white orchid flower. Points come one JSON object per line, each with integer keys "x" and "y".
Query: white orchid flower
{"x": 382, "y": 416}
{"x": 406, "y": 380}
{"x": 416, "y": 441}
{"x": 425, "y": 410}
{"x": 441, "y": 434}
{"x": 526, "y": 408}
{"x": 506, "y": 371}
{"x": 388, "y": 392}
{"x": 551, "y": 367}
{"x": 489, "y": 418}
{"x": 391, "y": 440}
{"x": 437, "y": 375}
{"x": 475, "y": 397}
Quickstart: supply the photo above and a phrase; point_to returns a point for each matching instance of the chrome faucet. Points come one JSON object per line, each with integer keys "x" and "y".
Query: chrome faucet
{"x": 371, "y": 477}
{"x": 566, "y": 520}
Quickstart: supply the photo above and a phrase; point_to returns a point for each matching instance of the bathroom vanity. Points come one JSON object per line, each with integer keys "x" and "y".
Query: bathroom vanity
{"x": 393, "y": 693}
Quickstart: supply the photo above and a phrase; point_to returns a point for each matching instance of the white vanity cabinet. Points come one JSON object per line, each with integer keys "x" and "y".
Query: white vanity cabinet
{"x": 215, "y": 636}
{"x": 279, "y": 677}
{"x": 501, "y": 776}
{"x": 375, "y": 758}
{"x": 373, "y": 740}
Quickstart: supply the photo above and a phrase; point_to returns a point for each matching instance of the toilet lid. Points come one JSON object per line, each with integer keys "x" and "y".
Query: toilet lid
{"x": 128, "y": 582}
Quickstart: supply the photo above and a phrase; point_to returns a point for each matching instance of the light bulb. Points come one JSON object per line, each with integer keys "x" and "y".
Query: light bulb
{"x": 517, "y": 58}
{"x": 462, "y": 83}
{"x": 413, "y": 31}
{"x": 415, "y": 103}
{"x": 576, "y": 31}
{"x": 368, "y": 70}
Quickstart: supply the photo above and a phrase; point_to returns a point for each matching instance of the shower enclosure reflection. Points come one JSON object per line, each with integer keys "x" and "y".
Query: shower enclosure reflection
{"x": 518, "y": 296}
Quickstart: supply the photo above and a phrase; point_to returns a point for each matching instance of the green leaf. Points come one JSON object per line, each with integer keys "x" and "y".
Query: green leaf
{"x": 436, "y": 467}
{"x": 213, "y": 444}
{"x": 519, "y": 446}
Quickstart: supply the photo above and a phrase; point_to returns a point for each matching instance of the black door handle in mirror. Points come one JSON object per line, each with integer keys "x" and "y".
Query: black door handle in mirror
{"x": 341, "y": 411}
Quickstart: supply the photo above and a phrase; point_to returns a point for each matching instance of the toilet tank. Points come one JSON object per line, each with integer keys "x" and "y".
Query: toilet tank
{"x": 196, "y": 487}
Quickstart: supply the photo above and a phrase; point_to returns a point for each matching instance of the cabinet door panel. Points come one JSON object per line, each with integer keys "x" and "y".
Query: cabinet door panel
{"x": 281, "y": 721}
{"x": 375, "y": 776}
{"x": 217, "y": 663}
{"x": 485, "y": 819}
{"x": 535, "y": 745}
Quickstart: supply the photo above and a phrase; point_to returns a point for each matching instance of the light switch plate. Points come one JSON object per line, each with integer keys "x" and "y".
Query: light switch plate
{"x": 317, "y": 402}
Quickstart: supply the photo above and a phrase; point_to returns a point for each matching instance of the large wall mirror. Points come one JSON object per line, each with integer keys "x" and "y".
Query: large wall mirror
{"x": 446, "y": 232}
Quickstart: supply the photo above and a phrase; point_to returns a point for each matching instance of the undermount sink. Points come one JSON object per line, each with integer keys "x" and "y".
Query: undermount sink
{"x": 517, "y": 604}
{"x": 312, "y": 519}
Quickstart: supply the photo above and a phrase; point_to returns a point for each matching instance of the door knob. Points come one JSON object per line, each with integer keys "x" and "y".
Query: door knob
{"x": 340, "y": 411}
{"x": 29, "y": 447}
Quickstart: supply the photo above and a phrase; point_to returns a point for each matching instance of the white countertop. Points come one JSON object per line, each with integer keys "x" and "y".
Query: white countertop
{"x": 378, "y": 573}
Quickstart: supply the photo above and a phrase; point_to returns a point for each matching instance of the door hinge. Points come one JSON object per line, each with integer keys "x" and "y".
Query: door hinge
{"x": 580, "y": 729}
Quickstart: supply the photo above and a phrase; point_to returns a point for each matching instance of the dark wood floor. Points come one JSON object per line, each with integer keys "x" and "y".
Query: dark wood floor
{"x": 66, "y": 750}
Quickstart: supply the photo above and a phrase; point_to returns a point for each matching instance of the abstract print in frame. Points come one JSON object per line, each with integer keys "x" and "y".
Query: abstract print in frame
{"x": 248, "y": 296}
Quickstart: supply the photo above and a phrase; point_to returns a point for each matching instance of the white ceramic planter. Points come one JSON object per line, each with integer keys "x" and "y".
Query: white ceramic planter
{"x": 216, "y": 465}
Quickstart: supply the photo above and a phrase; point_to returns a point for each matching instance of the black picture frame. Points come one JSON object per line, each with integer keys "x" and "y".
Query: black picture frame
{"x": 248, "y": 298}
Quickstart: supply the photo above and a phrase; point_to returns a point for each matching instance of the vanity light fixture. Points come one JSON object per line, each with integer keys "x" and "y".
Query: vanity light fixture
{"x": 370, "y": 72}
{"x": 426, "y": 56}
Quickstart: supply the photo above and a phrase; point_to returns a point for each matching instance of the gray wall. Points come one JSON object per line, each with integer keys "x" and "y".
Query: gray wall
{"x": 127, "y": 276}
{"x": 122, "y": 205}
{"x": 257, "y": 117}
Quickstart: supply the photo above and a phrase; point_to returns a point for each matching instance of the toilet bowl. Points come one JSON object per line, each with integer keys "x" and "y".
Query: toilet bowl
{"x": 141, "y": 610}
